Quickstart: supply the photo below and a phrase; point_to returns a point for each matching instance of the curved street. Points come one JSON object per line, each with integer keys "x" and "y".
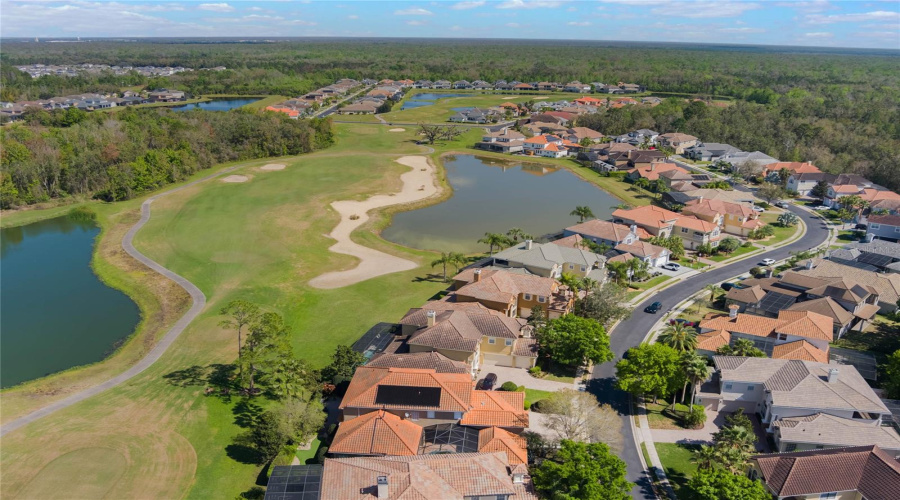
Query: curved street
{"x": 631, "y": 332}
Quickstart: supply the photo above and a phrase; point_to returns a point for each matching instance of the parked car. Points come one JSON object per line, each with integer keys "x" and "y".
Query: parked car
{"x": 782, "y": 204}
{"x": 727, "y": 286}
{"x": 821, "y": 207}
{"x": 758, "y": 209}
{"x": 653, "y": 308}
{"x": 682, "y": 321}
{"x": 488, "y": 382}
{"x": 671, "y": 266}
{"x": 767, "y": 262}
{"x": 862, "y": 226}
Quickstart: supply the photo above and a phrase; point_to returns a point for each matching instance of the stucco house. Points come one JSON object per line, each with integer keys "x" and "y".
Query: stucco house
{"x": 661, "y": 222}
{"x": 511, "y": 293}
{"x": 551, "y": 261}
{"x": 677, "y": 141}
{"x": 734, "y": 218}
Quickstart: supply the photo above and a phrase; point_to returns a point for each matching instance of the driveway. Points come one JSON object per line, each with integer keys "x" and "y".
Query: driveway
{"x": 631, "y": 332}
{"x": 520, "y": 376}
{"x": 683, "y": 270}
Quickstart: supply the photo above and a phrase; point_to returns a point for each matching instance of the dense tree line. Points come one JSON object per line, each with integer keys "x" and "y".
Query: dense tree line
{"x": 115, "y": 156}
{"x": 837, "y": 131}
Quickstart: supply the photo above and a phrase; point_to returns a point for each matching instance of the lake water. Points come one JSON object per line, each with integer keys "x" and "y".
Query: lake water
{"x": 493, "y": 196}
{"x": 56, "y": 313}
{"x": 216, "y": 104}
{"x": 427, "y": 99}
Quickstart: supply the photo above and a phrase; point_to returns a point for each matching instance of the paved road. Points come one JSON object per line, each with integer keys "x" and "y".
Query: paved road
{"x": 199, "y": 302}
{"x": 631, "y": 333}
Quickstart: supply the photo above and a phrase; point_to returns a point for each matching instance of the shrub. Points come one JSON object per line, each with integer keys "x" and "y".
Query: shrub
{"x": 320, "y": 455}
{"x": 527, "y": 404}
{"x": 696, "y": 419}
{"x": 747, "y": 244}
{"x": 509, "y": 386}
{"x": 755, "y": 271}
{"x": 537, "y": 405}
{"x": 763, "y": 204}
{"x": 535, "y": 371}
{"x": 521, "y": 388}
{"x": 82, "y": 214}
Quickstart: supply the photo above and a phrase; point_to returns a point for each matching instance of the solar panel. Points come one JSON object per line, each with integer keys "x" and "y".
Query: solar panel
{"x": 855, "y": 264}
{"x": 875, "y": 259}
{"x": 774, "y": 302}
{"x": 376, "y": 339}
{"x": 294, "y": 482}
{"x": 408, "y": 396}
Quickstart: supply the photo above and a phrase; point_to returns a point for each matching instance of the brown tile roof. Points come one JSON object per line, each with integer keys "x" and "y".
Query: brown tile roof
{"x": 502, "y": 286}
{"x": 825, "y": 306}
{"x": 832, "y": 431}
{"x": 887, "y": 285}
{"x": 526, "y": 348}
{"x": 624, "y": 257}
{"x": 462, "y": 330}
{"x": 714, "y": 207}
{"x": 798, "y": 323}
{"x": 652, "y": 172}
{"x": 574, "y": 241}
{"x": 497, "y": 408}
{"x": 642, "y": 249}
{"x": 377, "y": 433}
{"x": 866, "y": 469}
{"x": 804, "y": 384}
{"x": 842, "y": 289}
{"x": 648, "y": 216}
{"x": 750, "y": 295}
{"x": 800, "y": 349}
{"x": 795, "y": 167}
{"x": 602, "y": 229}
{"x": 712, "y": 341}
{"x": 496, "y": 439}
{"x": 421, "y": 477}
{"x": 436, "y": 360}
{"x": 456, "y": 388}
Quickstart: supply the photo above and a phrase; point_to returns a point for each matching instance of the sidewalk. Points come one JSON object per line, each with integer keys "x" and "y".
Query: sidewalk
{"x": 645, "y": 436}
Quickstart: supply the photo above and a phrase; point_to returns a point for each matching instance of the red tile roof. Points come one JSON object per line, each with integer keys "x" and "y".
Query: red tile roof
{"x": 456, "y": 388}
{"x": 377, "y": 433}
{"x": 497, "y": 408}
{"x": 496, "y": 439}
{"x": 800, "y": 349}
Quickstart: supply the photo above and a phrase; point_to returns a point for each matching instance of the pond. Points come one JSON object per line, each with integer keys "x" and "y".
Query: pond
{"x": 427, "y": 99}
{"x": 493, "y": 196}
{"x": 56, "y": 313}
{"x": 217, "y": 104}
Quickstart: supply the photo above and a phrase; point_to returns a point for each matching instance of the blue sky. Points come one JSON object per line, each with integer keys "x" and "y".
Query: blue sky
{"x": 863, "y": 23}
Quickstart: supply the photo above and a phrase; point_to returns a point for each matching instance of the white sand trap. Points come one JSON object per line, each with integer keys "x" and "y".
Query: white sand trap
{"x": 508, "y": 98}
{"x": 236, "y": 178}
{"x": 397, "y": 130}
{"x": 273, "y": 166}
{"x": 418, "y": 184}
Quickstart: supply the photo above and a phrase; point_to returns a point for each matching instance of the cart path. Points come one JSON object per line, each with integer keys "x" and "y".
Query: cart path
{"x": 418, "y": 184}
{"x": 197, "y": 297}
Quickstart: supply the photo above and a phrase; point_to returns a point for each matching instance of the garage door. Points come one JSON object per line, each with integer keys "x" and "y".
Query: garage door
{"x": 498, "y": 359}
{"x": 733, "y": 406}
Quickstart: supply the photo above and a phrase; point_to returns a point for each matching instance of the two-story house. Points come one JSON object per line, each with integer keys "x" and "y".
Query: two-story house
{"x": 551, "y": 261}
{"x": 511, "y": 293}
{"x": 855, "y": 473}
{"x": 885, "y": 285}
{"x": 468, "y": 332}
{"x": 661, "y": 222}
{"x": 652, "y": 170}
{"x": 504, "y": 141}
{"x": 677, "y": 141}
{"x": 804, "y": 334}
{"x": 883, "y": 227}
{"x": 733, "y": 218}
{"x": 785, "y": 388}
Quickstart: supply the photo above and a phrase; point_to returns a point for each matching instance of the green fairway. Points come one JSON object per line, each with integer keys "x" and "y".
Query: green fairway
{"x": 442, "y": 109}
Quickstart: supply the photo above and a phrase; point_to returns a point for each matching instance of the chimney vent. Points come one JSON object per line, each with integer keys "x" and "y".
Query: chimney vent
{"x": 382, "y": 486}
{"x": 633, "y": 228}
{"x": 809, "y": 264}
{"x": 769, "y": 272}
{"x": 477, "y": 275}
{"x": 832, "y": 375}
{"x": 529, "y": 244}
{"x": 430, "y": 315}
{"x": 733, "y": 310}
{"x": 518, "y": 478}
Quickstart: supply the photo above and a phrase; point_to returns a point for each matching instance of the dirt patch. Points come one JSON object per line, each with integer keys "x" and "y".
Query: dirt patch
{"x": 273, "y": 166}
{"x": 236, "y": 178}
{"x": 397, "y": 130}
{"x": 418, "y": 184}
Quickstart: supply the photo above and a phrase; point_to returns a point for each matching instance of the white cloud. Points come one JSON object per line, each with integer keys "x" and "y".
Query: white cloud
{"x": 578, "y": 23}
{"x": 466, "y": 5}
{"x": 455, "y": 28}
{"x": 353, "y": 16}
{"x": 513, "y": 25}
{"x": 416, "y": 23}
{"x": 216, "y": 7}
{"x": 809, "y": 7}
{"x": 530, "y": 4}
{"x": 819, "y": 34}
{"x": 415, "y": 11}
{"x": 572, "y": 9}
{"x": 703, "y": 10}
{"x": 255, "y": 9}
{"x": 746, "y": 30}
{"x": 878, "y": 15}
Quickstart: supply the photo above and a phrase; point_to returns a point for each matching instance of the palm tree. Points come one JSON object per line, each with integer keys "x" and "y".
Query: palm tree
{"x": 638, "y": 268}
{"x": 618, "y": 271}
{"x": 642, "y": 183}
{"x": 660, "y": 186}
{"x": 582, "y": 213}
{"x": 458, "y": 259}
{"x": 705, "y": 458}
{"x": 515, "y": 234}
{"x": 494, "y": 240}
{"x": 713, "y": 290}
{"x": 679, "y": 337}
{"x": 621, "y": 206}
{"x": 697, "y": 371}
{"x": 446, "y": 258}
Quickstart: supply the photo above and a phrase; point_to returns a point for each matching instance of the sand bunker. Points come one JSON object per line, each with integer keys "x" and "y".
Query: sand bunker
{"x": 273, "y": 166}
{"x": 397, "y": 130}
{"x": 418, "y": 184}
{"x": 508, "y": 98}
{"x": 236, "y": 178}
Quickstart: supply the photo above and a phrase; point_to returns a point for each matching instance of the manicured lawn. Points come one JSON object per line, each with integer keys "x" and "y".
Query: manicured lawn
{"x": 356, "y": 118}
{"x": 847, "y": 236}
{"x": 660, "y": 420}
{"x": 676, "y": 461}
{"x": 309, "y": 456}
{"x": 641, "y": 286}
{"x": 699, "y": 309}
{"x": 737, "y": 253}
{"x": 443, "y": 109}
{"x": 533, "y": 395}
{"x": 261, "y": 241}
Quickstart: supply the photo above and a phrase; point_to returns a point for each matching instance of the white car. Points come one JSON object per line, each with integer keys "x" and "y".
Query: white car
{"x": 821, "y": 207}
{"x": 758, "y": 209}
{"x": 671, "y": 266}
{"x": 782, "y": 204}
{"x": 767, "y": 262}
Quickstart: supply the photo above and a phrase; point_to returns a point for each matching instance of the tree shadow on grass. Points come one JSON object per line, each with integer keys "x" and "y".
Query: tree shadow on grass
{"x": 246, "y": 413}
{"x": 243, "y": 451}
{"x": 431, "y": 278}
{"x": 218, "y": 379}
{"x": 193, "y": 376}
